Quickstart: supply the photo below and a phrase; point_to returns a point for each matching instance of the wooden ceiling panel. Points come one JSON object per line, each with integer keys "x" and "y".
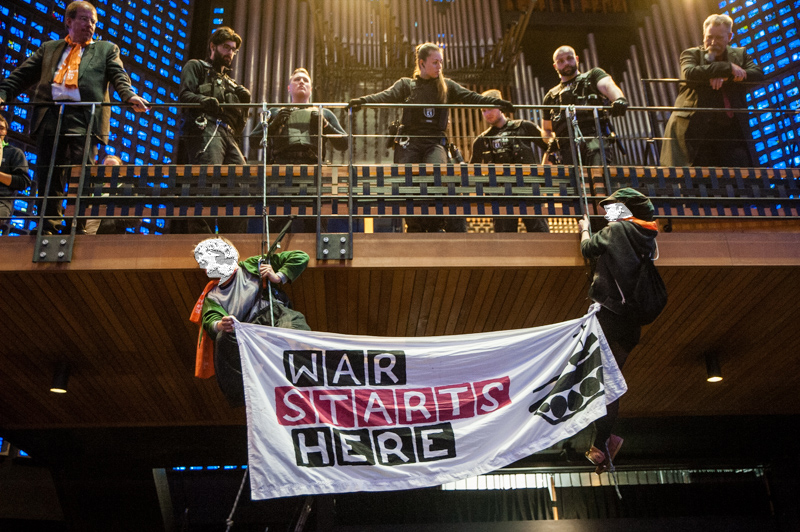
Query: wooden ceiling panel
{"x": 126, "y": 334}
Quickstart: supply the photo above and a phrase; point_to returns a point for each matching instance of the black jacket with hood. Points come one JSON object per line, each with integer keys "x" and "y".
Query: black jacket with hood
{"x": 616, "y": 250}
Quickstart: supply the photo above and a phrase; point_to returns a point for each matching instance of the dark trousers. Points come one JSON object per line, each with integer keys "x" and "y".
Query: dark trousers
{"x": 69, "y": 152}
{"x": 212, "y": 145}
{"x": 622, "y": 337}
{"x": 591, "y": 154}
{"x": 227, "y": 360}
{"x": 723, "y": 146}
{"x": 209, "y": 146}
{"x": 429, "y": 151}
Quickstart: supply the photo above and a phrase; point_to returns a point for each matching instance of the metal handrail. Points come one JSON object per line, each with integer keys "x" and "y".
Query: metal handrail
{"x": 351, "y": 165}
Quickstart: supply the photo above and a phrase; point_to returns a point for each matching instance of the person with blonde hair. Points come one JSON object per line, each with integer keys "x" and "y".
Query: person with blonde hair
{"x": 422, "y": 133}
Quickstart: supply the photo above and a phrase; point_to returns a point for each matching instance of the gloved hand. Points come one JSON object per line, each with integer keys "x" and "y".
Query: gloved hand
{"x": 506, "y": 106}
{"x": 210, "y": 105}
{"x": 242, "y": 94}
{"x": 313, "y": 123}
{"x": 356, "y": 103}
{"x": 279, "y": 119}
{"x": 619, "y": 106}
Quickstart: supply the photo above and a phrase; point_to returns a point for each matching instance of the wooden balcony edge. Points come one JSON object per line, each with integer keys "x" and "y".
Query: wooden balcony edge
{"x": 396, "y": 250}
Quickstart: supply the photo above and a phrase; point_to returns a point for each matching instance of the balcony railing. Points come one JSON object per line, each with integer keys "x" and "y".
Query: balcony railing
{"x": 149, "y": 198}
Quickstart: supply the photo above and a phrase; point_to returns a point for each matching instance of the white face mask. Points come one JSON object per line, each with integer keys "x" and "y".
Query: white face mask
{"x": 219, "y": 261}
{"x": 617, "y": 211}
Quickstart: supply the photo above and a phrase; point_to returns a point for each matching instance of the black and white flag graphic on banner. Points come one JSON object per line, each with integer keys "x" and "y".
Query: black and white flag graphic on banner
{"x": 330, "y": 413}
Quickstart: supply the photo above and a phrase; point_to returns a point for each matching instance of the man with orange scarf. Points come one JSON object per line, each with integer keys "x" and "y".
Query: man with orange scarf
{"x": 616, "y": 253}
{"x": 77, "y": 69}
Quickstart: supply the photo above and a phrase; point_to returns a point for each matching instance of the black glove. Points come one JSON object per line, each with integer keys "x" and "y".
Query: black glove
{"x": 506, "y": 107}
{"x": 313, "y": 123}
{"x": 356, "y": 103}
{"x": 211, "y": 106}
{"x": 279, "y": 119}
{"x": 619, "y": 106}
{"x": 242, "y": 94}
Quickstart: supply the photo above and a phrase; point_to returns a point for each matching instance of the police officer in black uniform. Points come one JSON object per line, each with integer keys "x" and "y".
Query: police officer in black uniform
{"x": 422, "y": 137}
{"x": 211, "y": 133}
{"x": 509, "y": 142}
{"x": 595, "y": 87}
{"x": 293, "y": 136}
{"x": 293, "y": 131}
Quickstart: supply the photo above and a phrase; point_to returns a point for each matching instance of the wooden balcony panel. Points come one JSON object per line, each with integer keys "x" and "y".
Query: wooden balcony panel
{"x": 119, "y": 314}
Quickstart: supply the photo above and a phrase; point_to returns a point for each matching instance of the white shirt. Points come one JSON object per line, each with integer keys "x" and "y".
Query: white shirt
{"x": 60, "y": 91}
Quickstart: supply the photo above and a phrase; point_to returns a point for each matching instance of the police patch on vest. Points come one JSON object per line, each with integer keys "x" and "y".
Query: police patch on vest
{"x": 429, "y": 112}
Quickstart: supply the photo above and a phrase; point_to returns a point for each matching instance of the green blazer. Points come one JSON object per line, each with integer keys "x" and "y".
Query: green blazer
{"x": 678, "y": 148}
{"x": 100, "y": 66}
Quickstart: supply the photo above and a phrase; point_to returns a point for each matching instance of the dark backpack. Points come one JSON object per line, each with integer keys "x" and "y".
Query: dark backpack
{"x": 649, "y": 295}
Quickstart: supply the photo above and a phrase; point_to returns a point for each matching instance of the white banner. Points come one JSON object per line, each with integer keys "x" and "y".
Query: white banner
{"x": 329, "y": 413}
